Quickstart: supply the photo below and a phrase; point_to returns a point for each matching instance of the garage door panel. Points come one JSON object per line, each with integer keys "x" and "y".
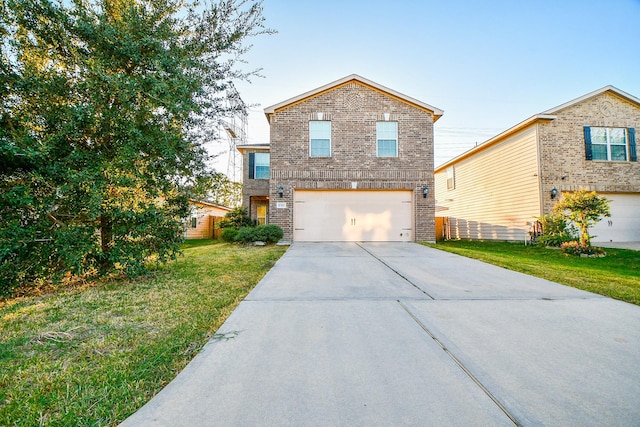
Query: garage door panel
{"x": 624, "y": 223}
{"x": 369, "y": 216}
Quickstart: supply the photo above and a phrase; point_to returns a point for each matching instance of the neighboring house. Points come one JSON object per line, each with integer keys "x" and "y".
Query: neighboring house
{"x": 497, "y": 190}
{"x": 201, "y": 223}
{"x": 348, "y": 161}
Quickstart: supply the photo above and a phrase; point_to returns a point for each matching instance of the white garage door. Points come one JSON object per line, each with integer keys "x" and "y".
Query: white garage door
{"x": 352, "y": 216}
{"x": 624, "y": 224}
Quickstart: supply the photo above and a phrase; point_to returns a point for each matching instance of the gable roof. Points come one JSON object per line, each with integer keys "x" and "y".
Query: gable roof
{"x": 212, "y": 205}
{"x": 494, "y": 140}
{"x": 437, "y": 113}
{"x": 608, "y": 88}
{"x": 545, "y": 115}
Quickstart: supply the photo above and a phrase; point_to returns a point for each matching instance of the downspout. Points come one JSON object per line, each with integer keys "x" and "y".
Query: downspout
{"x": 539, "y": 159}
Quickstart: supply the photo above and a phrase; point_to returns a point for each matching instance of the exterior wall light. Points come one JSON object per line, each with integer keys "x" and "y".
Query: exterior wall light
{"x": 554, "y": 193}
{"x": 425, "y": 192}
{"x": 281, "y": 191}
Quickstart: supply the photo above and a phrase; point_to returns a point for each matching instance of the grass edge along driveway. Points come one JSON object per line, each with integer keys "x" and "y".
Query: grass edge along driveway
{"x": 617, "y": 275}
{"x": 92, "y": 357}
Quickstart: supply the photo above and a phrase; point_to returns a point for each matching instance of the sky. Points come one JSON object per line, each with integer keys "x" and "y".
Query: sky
{"x": 488, "y": 64}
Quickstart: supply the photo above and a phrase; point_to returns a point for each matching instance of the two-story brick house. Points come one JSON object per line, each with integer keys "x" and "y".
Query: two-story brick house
{"x": 497, "y": 189}
{"x": 348, "y": 161}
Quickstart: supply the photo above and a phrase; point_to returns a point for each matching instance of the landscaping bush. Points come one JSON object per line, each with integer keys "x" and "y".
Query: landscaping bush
{"x": 229, "y": 234}
{"x": 236, "y": 218}
{"x": 245, "y": 235}
{"x": 576, "y": 248}
{"x": 556, "y": 230}
{"x": 268, "y": 233}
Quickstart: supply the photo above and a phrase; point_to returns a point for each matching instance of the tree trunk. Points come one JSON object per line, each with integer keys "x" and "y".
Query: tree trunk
{"x": 584, "y": 231}
{"x": 106, "y": 242}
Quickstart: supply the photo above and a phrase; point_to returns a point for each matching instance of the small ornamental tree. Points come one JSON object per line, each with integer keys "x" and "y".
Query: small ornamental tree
{"x": 583, "y": 208}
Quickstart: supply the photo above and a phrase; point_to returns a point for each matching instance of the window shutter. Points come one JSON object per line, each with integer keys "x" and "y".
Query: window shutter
{"x": 252, "y": 165}
{"x": 588, "y": 154}
{"x": 633, "y": 155}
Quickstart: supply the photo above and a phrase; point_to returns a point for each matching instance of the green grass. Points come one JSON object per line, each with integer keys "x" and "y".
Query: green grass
{"x": 617, "y": 275}
{"x": 93, "y": 356}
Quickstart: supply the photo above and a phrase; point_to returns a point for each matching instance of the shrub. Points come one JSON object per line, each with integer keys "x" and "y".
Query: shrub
{"x": 268, "y": 233}
{"x": 236, "y": 218}
{"x": 229, "y": 234}
{"x": 245, "y": 235}
{"x": 556, "y": 230}
{"x": 576, "y": 248}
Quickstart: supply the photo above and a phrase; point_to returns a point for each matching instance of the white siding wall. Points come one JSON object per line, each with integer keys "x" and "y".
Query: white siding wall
{"x": 496, "y": 192}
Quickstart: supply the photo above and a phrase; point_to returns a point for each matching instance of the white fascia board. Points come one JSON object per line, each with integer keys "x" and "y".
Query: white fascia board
{"x": 436, "y": 111}
{"x": 610, "y": 88}
{"x": 262, "y": 147}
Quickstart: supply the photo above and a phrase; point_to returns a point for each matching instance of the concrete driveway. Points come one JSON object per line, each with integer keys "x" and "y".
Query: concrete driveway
{"x": 620, "y": 245}
{"x": 400, "y": 334}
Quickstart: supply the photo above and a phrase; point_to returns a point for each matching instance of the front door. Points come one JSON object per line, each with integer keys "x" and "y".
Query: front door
{"x": 261, "y": 214}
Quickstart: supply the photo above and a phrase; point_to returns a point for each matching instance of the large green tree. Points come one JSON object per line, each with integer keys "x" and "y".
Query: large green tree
{"x": 218, "y": 188}
{"x": 105, "y": 109}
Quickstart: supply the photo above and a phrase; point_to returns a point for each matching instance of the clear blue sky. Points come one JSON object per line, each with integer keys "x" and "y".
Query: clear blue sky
{"x": 487, "y": 64}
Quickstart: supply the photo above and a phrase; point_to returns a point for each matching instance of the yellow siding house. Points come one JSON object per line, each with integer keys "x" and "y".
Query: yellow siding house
{"x": 201, "y": 223}
{"x": 497, "y": 190}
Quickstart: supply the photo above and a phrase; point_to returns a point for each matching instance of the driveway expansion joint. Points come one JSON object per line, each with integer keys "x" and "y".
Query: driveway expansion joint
{"x": 395, "y": 271}
{"x": 462, "y": 366}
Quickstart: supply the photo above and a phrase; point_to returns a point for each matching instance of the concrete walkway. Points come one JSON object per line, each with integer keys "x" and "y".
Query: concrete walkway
{"x": 401, "y": 334}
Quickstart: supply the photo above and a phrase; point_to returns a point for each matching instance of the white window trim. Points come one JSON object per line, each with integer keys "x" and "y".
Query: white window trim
{"x": 451, "y": 178}
{"x": 608, "y": 143}
{"x": 378, "y": 142}
{"x": 330, "y": 140}
{"x": 255, "y": 165}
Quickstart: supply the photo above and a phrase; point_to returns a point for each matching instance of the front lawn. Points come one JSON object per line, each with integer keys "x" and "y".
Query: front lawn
{"x": 93, "y": 356}
{"x": 617, "y": 275}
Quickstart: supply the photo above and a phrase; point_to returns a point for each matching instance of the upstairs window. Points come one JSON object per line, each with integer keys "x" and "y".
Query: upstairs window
{"x": 259, "y": 165}
{"x": 387, "y": 139}
{"x": 319, "y": 138}
{"x": 451, "y": 178}
{"x": 611, "y": 144}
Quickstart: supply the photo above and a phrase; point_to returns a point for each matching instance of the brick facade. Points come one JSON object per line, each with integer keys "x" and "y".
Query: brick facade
{"x": 353, "y": 109}
{"x": 254, "y": 191}
{"x": 562, "y": 151}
